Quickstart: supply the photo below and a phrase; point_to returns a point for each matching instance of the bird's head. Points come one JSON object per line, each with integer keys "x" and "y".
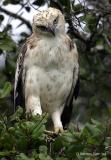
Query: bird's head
{"x": 49, "y": 23}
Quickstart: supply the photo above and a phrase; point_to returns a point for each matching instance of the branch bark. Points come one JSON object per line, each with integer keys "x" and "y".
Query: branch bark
{"x": 75, "y": 31}
{"x": 16, "y": 17}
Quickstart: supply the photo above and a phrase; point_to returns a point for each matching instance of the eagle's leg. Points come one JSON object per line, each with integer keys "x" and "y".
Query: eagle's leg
{"x": 33, "y": 105}
{"x": 32, "y": 99}
{"x": 56, "y": 118}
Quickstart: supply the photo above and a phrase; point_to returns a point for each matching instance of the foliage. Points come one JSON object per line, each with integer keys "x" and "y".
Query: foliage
{"x": 24, "y": 139}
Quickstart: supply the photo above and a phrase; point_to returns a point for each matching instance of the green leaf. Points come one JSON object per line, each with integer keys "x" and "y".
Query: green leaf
{"x": 38, "y": 132}
{"x": 6, "y": 2}
{"x": 108, "y": 48}
{"x": 108, "y": 141}
{"x": 43, "y": 149}
{"x": 17, "y": 115}
{"x": 61, "y": 158}
{"x": 6, "y": 42}
{"x": 91, "y": 21}
{"x": 65, "y": 4}
{"x": 6, "y": 90}
{"x": 6, "y": 153}
{"x": 1, "y": 18}
{"x": 39, "y": 2}
{"x": 92, "y": 130}
{"x": 77, "y": 7}
{"x": 22, "y": 156}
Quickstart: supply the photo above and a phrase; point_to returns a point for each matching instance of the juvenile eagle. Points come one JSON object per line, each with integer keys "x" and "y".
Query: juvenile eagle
{"x": 46, "y": 77}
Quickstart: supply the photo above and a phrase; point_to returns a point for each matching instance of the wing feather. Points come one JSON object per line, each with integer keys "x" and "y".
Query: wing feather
{"x": 68, "y": 106}
{"x": 18, "y": 77}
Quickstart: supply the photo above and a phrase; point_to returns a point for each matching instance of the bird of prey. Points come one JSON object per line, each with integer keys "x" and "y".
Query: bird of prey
{"x": 46, "y": 78}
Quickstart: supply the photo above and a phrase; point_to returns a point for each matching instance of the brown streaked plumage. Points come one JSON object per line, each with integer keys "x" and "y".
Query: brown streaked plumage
{"x": 47, "y": 69}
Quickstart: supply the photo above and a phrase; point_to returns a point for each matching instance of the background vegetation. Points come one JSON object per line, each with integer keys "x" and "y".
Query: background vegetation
{"x": 89, "y": 25}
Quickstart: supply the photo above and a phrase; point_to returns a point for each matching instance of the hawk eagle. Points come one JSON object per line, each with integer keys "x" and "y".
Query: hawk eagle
{"x": 46, "y": 78}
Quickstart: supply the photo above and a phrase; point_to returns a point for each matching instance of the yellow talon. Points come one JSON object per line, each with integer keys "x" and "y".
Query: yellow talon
{"x": 58, "y": 130}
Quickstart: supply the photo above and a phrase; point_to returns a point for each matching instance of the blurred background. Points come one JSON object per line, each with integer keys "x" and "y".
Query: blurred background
{"x": 88, "y": 22}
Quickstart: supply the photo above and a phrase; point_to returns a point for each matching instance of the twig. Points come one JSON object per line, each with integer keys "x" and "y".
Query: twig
{"x": 95, "y": 28}
{"x": 92, "y": 155}
{"x": 74, "y": 31}
{"x": 107, "y": 40}
{"x": 34, "y": 7}
{"x": 16, "y": 17}
{"x": 50, "y": 133}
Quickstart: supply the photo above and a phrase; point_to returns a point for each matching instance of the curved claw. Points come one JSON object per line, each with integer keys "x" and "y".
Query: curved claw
{"x": 58, "y": 130}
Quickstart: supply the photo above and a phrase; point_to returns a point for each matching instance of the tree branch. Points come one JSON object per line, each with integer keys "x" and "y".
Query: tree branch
{"x": 74, "y": 31}
{"x": 16, "y": 17}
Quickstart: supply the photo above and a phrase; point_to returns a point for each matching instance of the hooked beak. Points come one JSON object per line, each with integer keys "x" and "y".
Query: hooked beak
{"x": 51, "y": 29}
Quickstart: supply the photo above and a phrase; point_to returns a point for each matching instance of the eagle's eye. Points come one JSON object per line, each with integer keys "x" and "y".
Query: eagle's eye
{"x": 56, "y": 20}
{"x": 42, "y": 28}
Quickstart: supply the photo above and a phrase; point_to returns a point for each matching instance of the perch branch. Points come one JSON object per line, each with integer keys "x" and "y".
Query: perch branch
{"x": 16, "y": 17}
{"x": 74, "y": 31}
